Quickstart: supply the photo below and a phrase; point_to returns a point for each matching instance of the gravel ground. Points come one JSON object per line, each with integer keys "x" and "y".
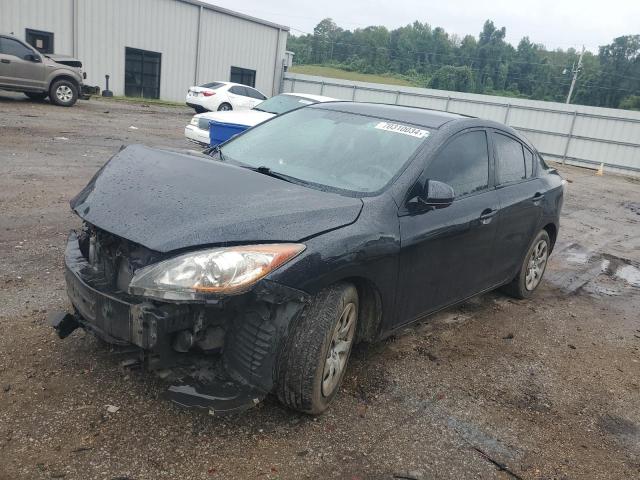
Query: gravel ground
{"x": 542, "y": 389}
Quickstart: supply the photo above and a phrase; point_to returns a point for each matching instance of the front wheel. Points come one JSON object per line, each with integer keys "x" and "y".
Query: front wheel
{"x": 532, "y": 268}
{"x": 314, "y": 359}
{"x": 63, "y": 93}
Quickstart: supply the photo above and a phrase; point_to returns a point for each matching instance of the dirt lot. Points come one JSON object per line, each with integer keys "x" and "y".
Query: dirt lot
{"x": 496, "y": 388}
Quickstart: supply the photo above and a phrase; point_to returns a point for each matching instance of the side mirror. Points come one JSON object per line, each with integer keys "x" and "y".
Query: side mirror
{"x": 33, "y": 58}
{"x": 435, "y": 195}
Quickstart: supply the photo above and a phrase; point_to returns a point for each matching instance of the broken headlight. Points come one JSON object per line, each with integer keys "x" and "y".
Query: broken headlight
{"x": 197, "y": 275}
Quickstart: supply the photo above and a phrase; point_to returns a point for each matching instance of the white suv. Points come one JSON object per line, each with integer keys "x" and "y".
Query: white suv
{"x": 223, "y": 96}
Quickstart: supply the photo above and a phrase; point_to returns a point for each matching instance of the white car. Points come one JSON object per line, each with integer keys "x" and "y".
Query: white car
{"x": 198, "y": 129}
{"x": 223, "y": 96}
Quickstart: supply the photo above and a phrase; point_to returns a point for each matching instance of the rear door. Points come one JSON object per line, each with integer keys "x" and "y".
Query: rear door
{"x": 240, "y": 100}
{"x": 255, "y": 97}
{"x": 521, "y": 196}
{"x": 447, "y": 254}
{"x": 16, "y": 69}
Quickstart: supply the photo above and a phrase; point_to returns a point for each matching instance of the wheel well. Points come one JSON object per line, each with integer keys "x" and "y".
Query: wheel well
{"x": 370, "y": 308}
{"x": 64, "y": 77}
{"x": 552, "y": 230}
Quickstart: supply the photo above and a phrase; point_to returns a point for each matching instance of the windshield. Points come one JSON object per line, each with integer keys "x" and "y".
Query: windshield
{"x": 283, "y": 103}
{"x": 328, "y": 148}
{"x": 212, "y": 85}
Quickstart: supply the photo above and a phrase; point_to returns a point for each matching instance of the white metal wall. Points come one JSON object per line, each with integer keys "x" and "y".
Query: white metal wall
{"x": 48, "y": 15}
{"x": 576, "y": 134}
{"x": 104, "y": 28}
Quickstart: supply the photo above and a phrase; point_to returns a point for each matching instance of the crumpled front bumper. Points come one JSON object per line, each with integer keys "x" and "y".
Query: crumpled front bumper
{"x": 236, "y": 377}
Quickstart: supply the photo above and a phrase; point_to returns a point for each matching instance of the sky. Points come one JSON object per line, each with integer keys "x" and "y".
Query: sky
{"x": 553, "y": 23}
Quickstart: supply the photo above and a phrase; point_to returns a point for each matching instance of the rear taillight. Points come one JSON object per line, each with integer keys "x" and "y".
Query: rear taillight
{"x": 208, "y": 94}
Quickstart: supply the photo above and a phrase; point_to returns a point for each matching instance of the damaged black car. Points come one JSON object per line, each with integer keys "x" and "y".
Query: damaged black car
{"x": 255, "y": 269}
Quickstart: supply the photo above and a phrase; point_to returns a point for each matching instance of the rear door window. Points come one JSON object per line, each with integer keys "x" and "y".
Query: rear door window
{"x": 463, "y": 164}
{"x": 510, "y": 163}
{"x": 253, "y": 93}
{"x": 238, "y": 90}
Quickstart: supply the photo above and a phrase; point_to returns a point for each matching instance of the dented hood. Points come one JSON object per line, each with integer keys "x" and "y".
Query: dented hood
{"x": 167, "y": 201}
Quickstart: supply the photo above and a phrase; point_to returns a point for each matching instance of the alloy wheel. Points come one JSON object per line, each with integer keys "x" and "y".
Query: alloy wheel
{"x": 64, "y": 93}
{"x": 338, "y": 353}
{"x": 536, "y": 265}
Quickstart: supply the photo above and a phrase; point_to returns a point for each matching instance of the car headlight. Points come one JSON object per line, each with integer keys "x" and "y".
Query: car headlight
{"x": 194, "y": 121}
{"x": 198, "y": 275}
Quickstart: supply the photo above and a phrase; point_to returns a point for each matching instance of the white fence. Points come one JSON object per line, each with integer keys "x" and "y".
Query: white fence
{"x": 575, "y": 134}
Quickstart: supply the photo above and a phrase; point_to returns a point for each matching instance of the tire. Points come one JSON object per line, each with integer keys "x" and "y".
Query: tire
{"x": 37, "y": 96}
{"x": 532, "y": 269}
{"x": 304, "y": 380}
{"x": 225, "y": 107}
{"x": 200, "y": 109}
{"x": 63, "y": 93}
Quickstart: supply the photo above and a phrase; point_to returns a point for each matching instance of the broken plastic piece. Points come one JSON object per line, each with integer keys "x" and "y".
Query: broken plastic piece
{"x": 216, "y": 396}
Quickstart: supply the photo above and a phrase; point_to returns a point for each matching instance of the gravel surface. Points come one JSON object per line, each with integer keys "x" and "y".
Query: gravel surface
{"x": 547, "y": 388}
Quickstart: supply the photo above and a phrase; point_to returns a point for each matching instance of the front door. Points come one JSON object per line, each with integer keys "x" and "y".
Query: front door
{"x": 447, "y": 254}
{"x": 17, "y": 68}
{"x": 142, "y": 73}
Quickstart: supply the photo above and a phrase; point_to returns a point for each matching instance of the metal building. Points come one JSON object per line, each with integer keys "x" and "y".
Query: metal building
{"x": 153, "y": 48}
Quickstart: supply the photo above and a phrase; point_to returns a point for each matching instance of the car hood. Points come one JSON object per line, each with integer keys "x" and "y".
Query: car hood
{"x": 167, "y": 201}
{"x": 65, "y": 60}
{"x": 238, "y": 117}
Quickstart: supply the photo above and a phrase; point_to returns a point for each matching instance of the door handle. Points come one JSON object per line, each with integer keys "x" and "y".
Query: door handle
{"x": 487, "y": 215}
{"x": 4, "y": 60}
{"x": 537, "y": 198}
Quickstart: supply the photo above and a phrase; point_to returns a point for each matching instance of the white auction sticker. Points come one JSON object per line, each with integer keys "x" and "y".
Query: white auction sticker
{"x": 404, "y": 129}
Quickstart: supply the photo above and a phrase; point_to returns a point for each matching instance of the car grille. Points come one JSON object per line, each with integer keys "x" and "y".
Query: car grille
{"x": 203, "y": 124}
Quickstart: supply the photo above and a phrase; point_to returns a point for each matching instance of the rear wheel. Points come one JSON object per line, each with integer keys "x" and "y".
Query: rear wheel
{"x": 224, "y": 107}
{"x": 199, "y": 109}
{"x": 63, "y": 93}
{"x": 313, "y": 362}
{"x": 38, "y": 96}
{"x": 532, "y": 268}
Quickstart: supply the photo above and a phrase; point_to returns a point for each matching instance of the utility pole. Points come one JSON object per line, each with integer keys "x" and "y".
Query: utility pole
{"x": 575, "y": 70}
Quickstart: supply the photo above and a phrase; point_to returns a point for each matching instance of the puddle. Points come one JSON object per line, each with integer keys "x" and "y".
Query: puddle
{"x": 576, "y": 268}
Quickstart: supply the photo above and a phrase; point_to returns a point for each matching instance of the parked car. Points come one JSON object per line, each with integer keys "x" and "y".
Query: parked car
{"x": 223, "y": 96}
{"x": 328, "y": 225}
{"x": 198, "y": 129}
{"x": 24, "y": 69}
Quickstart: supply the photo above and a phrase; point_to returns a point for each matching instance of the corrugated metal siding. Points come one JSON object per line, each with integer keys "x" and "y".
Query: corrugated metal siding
{"x": 105, "y": 29}
{"x": 170, "y": 27}
{"x": 227, "y": 41}
{"x": 49, "y": 15}
{"x": 575, "y": 133}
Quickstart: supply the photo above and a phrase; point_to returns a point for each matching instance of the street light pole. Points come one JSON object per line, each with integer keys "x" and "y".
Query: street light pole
{"x": 575, "y": 72}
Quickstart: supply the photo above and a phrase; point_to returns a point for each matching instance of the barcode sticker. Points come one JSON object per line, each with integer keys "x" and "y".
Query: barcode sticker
{"x": 403, "y": 129}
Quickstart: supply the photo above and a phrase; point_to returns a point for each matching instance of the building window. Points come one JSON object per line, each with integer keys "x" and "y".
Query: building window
{"x": 243, "y": 76}
{"x": 142, "y": 73}
{"x": 41, "y": 41}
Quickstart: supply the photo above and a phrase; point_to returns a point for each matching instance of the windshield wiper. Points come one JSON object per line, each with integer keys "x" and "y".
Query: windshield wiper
{"x": 267, "y": 171}
{"x": 211, "y": 151}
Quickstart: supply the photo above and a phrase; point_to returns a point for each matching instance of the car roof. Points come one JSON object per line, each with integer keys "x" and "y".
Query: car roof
{"x": 397, "y": 113}
{"x": 317, "y": 98}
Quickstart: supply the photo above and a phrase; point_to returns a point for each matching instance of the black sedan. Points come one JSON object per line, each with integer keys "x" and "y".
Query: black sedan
{"x": 332, "y": 224}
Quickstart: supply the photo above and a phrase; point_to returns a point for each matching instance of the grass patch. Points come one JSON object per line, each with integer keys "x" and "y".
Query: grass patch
{"x": 149, "y": 101}
{"x": 333, "y": 72}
